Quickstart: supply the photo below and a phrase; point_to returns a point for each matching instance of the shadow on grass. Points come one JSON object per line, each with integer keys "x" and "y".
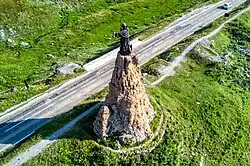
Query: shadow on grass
{"x": 83, "y": 129}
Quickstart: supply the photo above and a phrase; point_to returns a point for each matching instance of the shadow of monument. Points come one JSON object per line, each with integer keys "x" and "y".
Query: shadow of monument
{"x": 15, "y": 133}
{"x": 83, "y": 129}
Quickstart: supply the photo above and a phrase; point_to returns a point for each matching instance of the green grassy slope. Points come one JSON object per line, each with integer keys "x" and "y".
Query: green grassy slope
{"x": 72, "y": 31}
{"x": 209, "y": 118}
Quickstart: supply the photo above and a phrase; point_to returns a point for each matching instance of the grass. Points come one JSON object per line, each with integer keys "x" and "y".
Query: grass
{"x": 236, "y": 52}
{"x": 72, "y": 31}
{"x": 56, "y": 123}
{"x": 208, "y": 119}
{"x": 61, "y": 120}
{"x": 177, "y": 49}
{"x": 220, "y": 47}
{"x": 162, "y": 24}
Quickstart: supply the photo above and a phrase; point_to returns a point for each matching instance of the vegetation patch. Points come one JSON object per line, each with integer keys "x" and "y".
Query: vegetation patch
{"x": 70, "y": 31}
{"x": 236, "y": 52}
{"x": 57, "y": 123}
{"x": 208, "y": 122}
{"x": 152, "y": 67}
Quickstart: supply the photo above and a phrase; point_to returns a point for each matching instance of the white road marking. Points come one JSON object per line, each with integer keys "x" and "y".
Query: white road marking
{"x": 37, "y": 148}
{"x": 186, "y": 20}
{"x": 88, "y": 83}
{"x": 64, "y": 97}
{"x": 42, "y": 110}
{"x": 27, "y": 118}
{"x": 159, "y": 43}
{"x": 14, "y": 126}
{"x": 23, "y": 138}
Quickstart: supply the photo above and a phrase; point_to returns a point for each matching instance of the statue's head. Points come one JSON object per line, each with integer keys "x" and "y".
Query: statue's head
{"x": 124, "y": 26}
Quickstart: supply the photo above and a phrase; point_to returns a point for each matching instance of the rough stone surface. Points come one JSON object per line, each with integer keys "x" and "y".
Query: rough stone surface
{"x": 24, "y": 44}
{"x": 101, "y": 122}
{"x": 206, "y": 57}
{"x": 128, "y": 110}
{"x": 206, "y": 42}
{"x": 68, "y": 69}
{"x": 2, "y": 35}
{"x": 50, "y": 56}
{"x": 12, "y": 32}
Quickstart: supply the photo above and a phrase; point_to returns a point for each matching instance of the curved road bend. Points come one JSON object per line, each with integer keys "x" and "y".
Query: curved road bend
{"x": 25, "y": 119}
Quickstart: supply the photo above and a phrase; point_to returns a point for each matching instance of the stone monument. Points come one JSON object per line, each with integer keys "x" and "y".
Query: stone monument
{"x": 127, "y": 110}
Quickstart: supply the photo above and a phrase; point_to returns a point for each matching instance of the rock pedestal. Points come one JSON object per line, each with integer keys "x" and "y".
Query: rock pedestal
{"x": 127, "y": 109}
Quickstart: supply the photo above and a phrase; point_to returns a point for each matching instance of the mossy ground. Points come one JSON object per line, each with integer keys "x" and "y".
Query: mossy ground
{"x": 209, "y": 119}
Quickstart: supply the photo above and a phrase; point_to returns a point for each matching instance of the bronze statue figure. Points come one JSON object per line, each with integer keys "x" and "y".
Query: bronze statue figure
{"x": 125, "y": 46}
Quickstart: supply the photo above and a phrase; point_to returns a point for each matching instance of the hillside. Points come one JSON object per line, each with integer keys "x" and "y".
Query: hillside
{"x": 36, "y": 37}
{"x": 206, "y": 108}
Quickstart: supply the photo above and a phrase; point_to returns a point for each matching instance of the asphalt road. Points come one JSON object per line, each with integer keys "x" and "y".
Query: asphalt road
{"x": 26, "y": 118}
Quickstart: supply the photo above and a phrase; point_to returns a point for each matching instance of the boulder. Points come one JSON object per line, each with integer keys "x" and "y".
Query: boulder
{"x": 206, "y": 56}
{"x": 2, "y": 35}
{"x": 50, "y": 56}
{"x": 68, "y": 69}
{"x": 12, "y": 32}
{"x": 11, "y": 42}
{"x": 101, "y": 122}
{"x": 24, "y": 44}
{"x": 128, "y": 111}
{"x": 206, "y": 42}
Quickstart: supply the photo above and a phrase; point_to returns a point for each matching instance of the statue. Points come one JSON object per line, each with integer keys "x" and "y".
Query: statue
{"x": 125, "y": 46}
{"x": 127, "y": 111}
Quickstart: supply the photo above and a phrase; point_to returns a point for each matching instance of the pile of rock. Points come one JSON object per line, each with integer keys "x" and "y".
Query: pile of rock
{"x": 127, "y": 110}
{"x": 67, "y": 69}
